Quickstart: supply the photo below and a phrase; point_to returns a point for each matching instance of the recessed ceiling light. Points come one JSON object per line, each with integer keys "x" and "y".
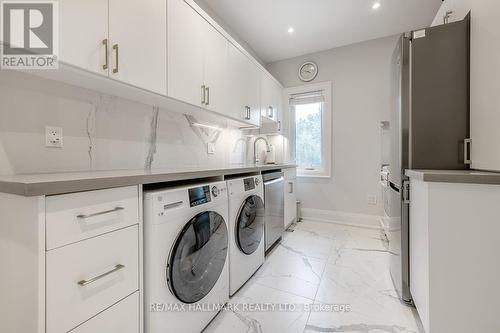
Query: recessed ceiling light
{"x": 291, "y": 30}
{"x": 376, "y": 5}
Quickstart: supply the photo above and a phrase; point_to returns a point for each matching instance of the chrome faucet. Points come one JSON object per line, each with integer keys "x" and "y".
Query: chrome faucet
{"x": 255, "y": 159}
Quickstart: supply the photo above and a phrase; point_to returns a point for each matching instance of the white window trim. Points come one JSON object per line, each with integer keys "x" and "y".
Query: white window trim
{"x": 326, "y": 122}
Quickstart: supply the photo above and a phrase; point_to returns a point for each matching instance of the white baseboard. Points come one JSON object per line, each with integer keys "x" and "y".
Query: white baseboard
{"x": 331, "y": 216}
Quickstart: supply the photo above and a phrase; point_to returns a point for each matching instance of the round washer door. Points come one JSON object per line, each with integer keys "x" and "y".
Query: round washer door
{"x": 198, "y": 256}
{"x": 250, "y": 224}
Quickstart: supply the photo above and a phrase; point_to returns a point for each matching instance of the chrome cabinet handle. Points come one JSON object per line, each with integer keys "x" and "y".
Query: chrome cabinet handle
{"x": 248, "y": 115}
{"x": 208, "y": 96}
{"x": 96, "y": 278}
{"x": 279, "y": 125}
{"x": 203, "y": 94}
{"x": 115, "y": 48}
{"x": 116, "y": 209}
{"x": 270, "y": 112}
{"x": 467, "y": 146}
{"x": 290, "y": 188}
{"x": 105, "y": 43}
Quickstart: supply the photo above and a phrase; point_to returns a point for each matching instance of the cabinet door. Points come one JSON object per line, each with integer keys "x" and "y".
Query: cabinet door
{"x": 84, "y": 48}
{"x": 252, "y": 90}
{"x": 290, "y": 201}
{"x": 138, "y": 49}
{"x": 290, "y": 176}
{"x": 122, "y": 317}
{"x": 237, "y": 103}
{"x": 215, "y": 69}
{"x": 266, "y": 91}
{"x": 185, "y": 54}
{"x": 280, "y": 112}
{"x": 244, "y": 87}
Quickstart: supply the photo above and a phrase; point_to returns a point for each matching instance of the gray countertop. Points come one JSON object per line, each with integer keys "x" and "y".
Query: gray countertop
{"x": 59, "y": 183}
{"x": 455, "y": 176}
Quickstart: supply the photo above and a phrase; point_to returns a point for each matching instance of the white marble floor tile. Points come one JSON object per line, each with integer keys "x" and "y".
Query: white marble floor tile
{"x": 307, "y": 244}
{"x": 289, "y": 271}
{"x": 336, "y": 275}
{"x": 273, "y": 311}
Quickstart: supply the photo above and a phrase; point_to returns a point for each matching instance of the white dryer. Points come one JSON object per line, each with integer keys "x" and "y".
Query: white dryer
{"x": 185, "y": 255}
{"x": 246, "y": 229}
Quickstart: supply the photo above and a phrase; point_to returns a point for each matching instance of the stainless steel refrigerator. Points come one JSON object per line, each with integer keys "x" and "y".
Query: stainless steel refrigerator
{"x": 429, "y": 124}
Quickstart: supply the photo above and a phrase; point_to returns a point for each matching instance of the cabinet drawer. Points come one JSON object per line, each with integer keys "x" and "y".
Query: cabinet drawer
{"x": 87, "y": 277}
{"x": 77, "y": 216}
{"x": 122, "y": 317}
{"x": 290, "y": 173}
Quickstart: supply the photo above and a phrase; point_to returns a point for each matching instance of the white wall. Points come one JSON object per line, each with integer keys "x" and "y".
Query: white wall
{"x": 485, "y": 77}
{"x": 360, "y": 76}
{"x": 100, "y": 132}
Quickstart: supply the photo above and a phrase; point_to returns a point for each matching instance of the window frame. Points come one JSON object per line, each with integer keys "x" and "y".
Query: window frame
{"x": 326, "y": 128}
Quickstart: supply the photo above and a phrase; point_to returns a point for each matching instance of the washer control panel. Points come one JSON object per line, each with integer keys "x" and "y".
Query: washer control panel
{"x": 249, "y": 184}
{"x": 199, "y": 195}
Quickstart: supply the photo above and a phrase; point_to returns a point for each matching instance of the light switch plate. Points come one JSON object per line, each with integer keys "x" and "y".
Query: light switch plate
{"x": 210, "y": 148}
{"x": 53, "y": 137}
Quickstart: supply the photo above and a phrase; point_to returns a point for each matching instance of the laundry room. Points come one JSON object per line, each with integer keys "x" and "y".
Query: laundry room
{"x": 226, "y": 166}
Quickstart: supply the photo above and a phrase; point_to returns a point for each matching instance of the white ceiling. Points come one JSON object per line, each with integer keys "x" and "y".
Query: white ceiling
{"x": 318, "y": 24}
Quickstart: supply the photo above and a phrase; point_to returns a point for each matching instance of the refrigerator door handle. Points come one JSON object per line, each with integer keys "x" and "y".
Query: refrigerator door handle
{"x": 467, "y": 153}
{"x": 406, "y": 192}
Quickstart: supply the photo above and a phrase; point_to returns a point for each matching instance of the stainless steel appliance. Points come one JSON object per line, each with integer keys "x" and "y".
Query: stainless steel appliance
{"x": 274, "y": 200}
{"x": 429, "y": 123}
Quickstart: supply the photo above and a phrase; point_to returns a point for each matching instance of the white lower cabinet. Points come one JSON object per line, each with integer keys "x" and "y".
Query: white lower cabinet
{"x": 62, "y": 274}
{"x": 78, "y": 216}
{"x": 87, "y": 277}
{"x": 290, "y": 196}
{"x": 454, "y": 237}
{"x": 122, "y": 317}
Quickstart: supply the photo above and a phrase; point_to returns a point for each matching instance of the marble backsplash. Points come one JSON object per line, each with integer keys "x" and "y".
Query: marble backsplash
{"x": 100, "y": 132}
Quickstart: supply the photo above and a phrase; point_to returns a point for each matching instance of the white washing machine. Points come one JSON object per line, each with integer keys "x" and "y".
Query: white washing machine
{"x": 246, "y": 229}
{"x": 186, "y": 257}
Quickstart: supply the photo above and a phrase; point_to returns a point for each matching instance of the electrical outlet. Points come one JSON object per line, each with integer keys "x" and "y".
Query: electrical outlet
{"x": 372, "y": 200}
{"x": 210, "y": 148}
{"x": 53, "y": 137}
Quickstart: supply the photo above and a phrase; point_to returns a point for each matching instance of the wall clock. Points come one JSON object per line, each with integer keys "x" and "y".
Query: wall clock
{"x": 308, "y": 71}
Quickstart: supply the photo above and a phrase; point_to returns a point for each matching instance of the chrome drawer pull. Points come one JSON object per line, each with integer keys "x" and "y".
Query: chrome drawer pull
{"x": 94, "y": 279}
{"x": 100, "y": 213}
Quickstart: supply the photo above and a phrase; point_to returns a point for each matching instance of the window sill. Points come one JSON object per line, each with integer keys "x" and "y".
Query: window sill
{"x": 312, "y": 174}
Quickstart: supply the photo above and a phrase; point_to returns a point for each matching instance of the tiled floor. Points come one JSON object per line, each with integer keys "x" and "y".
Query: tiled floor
{"x": 322, "y": 278}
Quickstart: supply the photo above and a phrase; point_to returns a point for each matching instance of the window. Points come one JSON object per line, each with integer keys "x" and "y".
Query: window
{"x": 310, "y": 110}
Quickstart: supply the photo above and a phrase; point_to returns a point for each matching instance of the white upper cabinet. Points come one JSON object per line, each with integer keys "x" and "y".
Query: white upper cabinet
{"x": 84, "y": 47}
{"x": 271, "y": 105}
{"x": 244, "y": 87}
{"x": 271, "y": 93}
{"x": 138, "y": 43}
{"x": 197, "y": 59}
{"x": 170, "y": 47}
{"x": 215, "y": 69}
{"x": 185, "y": 56}
{"x": 133, "y": 50}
